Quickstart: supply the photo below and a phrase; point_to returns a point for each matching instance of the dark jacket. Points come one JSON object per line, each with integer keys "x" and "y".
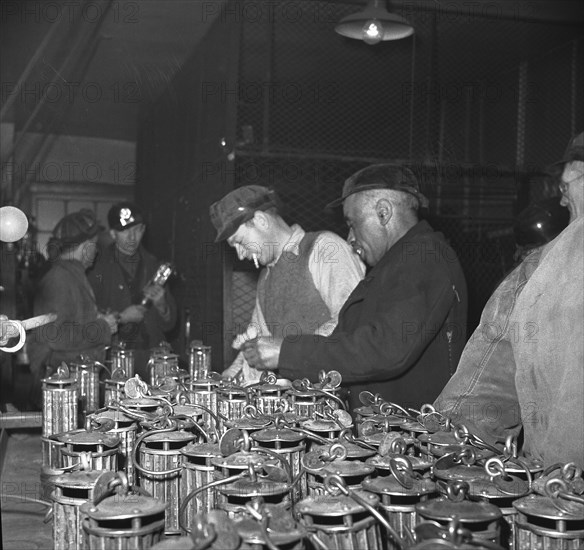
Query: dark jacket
{"x": 115, "y": 291}
{"x": 64, "y": 290}
{"x": 401, "y": 331}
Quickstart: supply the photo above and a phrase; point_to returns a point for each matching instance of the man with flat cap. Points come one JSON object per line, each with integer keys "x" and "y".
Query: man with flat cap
{"x": 523, "y": 368}
{"x": 120, "y": 279}
{"x": 401, "y": 331}
{"x": 307, "y": 276}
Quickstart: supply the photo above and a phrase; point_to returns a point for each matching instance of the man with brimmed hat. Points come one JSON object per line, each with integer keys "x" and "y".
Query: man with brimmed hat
{"x": 523, "y": 368}
{"x": 120, "y": 279}
{"x": 307, "y": 276}
{"x": 402, "y": 329}
{"x": 64, "y": 289}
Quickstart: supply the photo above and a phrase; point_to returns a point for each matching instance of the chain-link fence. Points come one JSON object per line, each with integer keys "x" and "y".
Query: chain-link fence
{"x": 477, "y": 104}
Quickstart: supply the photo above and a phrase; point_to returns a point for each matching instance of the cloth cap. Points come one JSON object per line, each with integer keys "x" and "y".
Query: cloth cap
{"x": 382, "y": 176}
{"x": 238, "y": 207}
{"x": 124, "y": 215}
{"x": 76, "y": 228}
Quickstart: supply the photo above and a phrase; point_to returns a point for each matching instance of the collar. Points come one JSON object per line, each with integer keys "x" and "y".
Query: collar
{"x": 292, "y": 245}
{"x": 421, "y": 228}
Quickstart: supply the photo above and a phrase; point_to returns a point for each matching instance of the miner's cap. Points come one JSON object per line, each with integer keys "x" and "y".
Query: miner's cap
{"x": 238, "y": 207}
{"x": 123, "y": 215}
{"x": 382, "y": 176}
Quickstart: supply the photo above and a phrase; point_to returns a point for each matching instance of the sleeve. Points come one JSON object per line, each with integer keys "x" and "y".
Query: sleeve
{"x": 167, "y": 323}
{"x": 336, "y": 270}
{"x": 482, "y": 394}
{"x": 240, "y": 367}
{"x": 76, "y": 326}
{"x": 408, "y": 305}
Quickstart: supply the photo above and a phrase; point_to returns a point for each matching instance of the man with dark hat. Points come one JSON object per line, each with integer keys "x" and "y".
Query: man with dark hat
{"x": 401, "y": 331}
{"x": 307, "y": 276}
{"x": 121, "y": 279}
{"x": 79, "y": 328}
{"x": 522, "y": 369}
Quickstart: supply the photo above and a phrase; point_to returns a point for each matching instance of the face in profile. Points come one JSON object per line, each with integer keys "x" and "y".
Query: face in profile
{"x": 572, "y": 188}
{"x": 366, "y": 234}
{"x": 128, "y": 241}
{"x": 89, "y": 252}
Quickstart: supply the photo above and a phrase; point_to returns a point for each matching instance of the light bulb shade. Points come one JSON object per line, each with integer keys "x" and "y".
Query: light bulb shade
{"x": 13, "y": 224}
{"x": 363, "y": 25}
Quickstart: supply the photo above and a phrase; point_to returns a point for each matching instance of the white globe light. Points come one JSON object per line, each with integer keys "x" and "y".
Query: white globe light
{"x": 13, "y": 224}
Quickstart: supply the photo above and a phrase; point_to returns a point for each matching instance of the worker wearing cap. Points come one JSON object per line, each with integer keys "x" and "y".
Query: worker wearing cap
{"x": 79, "y": 328}
{"x": 307, "y": 276}
{"x": 522, "y": 369}
{"x": 401, "y": 331}
{"x": 120, "y": 279}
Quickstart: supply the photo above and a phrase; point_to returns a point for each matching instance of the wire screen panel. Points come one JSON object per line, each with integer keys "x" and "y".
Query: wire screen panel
{"x": 477, "y": 106}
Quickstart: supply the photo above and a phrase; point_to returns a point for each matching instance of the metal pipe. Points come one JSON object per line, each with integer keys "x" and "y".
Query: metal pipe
{"x": 17, "y": 420}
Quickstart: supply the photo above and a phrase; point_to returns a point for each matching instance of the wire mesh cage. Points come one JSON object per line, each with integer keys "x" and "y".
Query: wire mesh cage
{"x": 478, "y": 102}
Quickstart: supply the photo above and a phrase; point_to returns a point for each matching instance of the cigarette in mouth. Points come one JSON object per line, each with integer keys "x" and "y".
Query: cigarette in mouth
{"x": 255, "y": 260}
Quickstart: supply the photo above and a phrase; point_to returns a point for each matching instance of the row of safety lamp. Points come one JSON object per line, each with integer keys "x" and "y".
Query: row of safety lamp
{"x": 277, "y": 465}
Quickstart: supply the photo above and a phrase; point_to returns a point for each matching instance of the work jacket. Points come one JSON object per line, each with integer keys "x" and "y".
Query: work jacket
{"x": 522, "y": 368}
{"x": 400, "y": 332}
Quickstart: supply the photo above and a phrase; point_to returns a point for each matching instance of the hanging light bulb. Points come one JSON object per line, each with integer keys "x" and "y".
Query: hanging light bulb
{"x": 13, "y": 224}
{"x": 374, "y": 24}
{"x": 372, "y": 32}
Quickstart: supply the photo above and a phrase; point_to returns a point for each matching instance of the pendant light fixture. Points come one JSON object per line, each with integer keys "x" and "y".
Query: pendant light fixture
{"x": 374, "y": 24}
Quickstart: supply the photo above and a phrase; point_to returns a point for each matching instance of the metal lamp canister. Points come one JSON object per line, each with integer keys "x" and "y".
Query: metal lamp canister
{"x": 267, "y": 395}
{"x": 303, "y": 402}
{"x": 399, "y": 499}
{"x": 326, "y": 429}
{"x": 71, "y": 491}
{"x": 549, "y": 522}
{"x": 124, "y": 522}
{"x": 235, "y": 463}
{"x": 125, "y": 428}
{"x": 161, "y": 366}
{"x": 193, "y": 415}
{"x": 340, "y": 523}
{"x": 160, "y": 467}
{"x": 352, "y": 472}
{"x": 60, "y": 408}
{"x": 482, "y": 519}
{"x": 60, "y": 394}
{"x": 114, "y": 388}
{"x": 52, "y": 465}
{"x": 284, "y": 535}
{"x": 243, "y": 492}
{"x": 123, "y": 359}
{"x": 92, "y": 450}
{"x": 199, "y": 361}
{"x": 86, "y": 372}
{"x": 140, "y": 404}
{"x": 290, "y": 446}
{"x": 198, "y": 471}
{"x": 502, "y": 488}
{"x": 203, "y": 392}
{"x": 231, "y": 401}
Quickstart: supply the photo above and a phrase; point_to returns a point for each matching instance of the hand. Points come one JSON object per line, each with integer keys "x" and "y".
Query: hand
{"x": 111, "y": 319}
{"x": 155, "y": 293}
{"x": 251, "y": 333}
{"x": 263, "y": 353}
{"x": 133, "y": 314}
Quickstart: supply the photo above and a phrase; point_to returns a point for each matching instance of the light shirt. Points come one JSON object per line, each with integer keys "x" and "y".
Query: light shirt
{"x": 335, "y": 269}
